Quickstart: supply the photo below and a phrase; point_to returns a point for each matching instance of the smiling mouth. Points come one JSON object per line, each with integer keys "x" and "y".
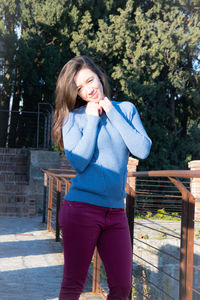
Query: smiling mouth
{"x": 93, "y": 95}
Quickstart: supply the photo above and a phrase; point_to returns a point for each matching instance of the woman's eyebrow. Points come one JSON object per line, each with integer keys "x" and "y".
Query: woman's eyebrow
{"x": 90, "y": 77}
{"x": 86, "y": 80}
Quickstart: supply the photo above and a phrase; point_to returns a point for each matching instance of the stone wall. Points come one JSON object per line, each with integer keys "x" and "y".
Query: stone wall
{"x": 40, "y": 159}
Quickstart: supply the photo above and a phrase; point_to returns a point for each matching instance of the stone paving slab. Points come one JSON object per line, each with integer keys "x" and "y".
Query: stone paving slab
{"x": 91, "y": 296}
{"x": 87, "y": 296}
{"x": 31, "y": 262}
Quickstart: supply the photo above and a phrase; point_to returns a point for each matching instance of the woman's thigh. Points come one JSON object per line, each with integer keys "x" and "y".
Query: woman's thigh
{"x": 114, "y": 246}
{"x": 80, "y": 231}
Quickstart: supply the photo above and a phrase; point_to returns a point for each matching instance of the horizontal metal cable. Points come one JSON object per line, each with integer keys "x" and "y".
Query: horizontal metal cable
{"x": 197, "y": 292}
{"x": 156, "y": 191}
{"x": 156, "y": 267}
{"x": 177, "y": 237}
{"x": 166, "y": 253}
{"x": 196, "y": 244}
{"x": 156, "y": 202}
{"x": 197, "y": 268}
{"x": 156, "y": 186}
{"x": 149, "y": 281}
{"x": 158, "y": 195}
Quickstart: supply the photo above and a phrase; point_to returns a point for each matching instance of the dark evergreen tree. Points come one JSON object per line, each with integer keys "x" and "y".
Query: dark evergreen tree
{"x": 149, "y": 49}
{"x": 9, "y": 19}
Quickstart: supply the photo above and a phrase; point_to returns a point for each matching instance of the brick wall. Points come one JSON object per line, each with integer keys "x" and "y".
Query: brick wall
{"x": 21, "y": 180}
{"x": 14, "y": 180}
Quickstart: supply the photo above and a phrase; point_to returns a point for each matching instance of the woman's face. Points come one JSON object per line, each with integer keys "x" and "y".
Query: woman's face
{"x": 88, "y": 85}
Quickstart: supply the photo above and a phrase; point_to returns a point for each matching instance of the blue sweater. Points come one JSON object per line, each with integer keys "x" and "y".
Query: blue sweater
{"x": 98, "y": 148}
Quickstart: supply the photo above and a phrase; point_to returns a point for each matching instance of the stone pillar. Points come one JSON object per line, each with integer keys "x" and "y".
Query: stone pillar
{"x": 195, "y": 186}
{"x": 132, "y": 167}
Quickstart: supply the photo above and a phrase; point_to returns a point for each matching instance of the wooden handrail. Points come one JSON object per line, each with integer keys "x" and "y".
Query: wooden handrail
{"x": 70, "y": 173}
{"x": 166, "y": 173}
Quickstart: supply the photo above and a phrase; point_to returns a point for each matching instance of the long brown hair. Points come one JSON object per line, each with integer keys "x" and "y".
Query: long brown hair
{"x": 66, "y": 92}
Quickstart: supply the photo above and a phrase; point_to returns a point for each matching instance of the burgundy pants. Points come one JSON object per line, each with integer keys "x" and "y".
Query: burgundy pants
{"x": 85, "y": 226}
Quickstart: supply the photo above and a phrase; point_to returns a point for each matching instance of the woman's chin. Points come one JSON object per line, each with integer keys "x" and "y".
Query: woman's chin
{"x": 96, "y": 100}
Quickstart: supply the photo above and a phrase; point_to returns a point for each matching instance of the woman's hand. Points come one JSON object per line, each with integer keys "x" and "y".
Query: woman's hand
{"x": 96, "y": 108}
{"x": 105, "y": 104}
{"x": 93, "y": 108}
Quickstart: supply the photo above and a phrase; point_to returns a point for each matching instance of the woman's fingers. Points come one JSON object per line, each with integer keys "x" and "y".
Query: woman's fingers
{"x": 92, "y": 108}
{"x": 96, "y": 108}
{"x": 106, "y": 104}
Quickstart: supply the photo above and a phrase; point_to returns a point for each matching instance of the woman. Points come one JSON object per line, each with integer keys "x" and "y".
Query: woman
{"x": 97, "y": 135}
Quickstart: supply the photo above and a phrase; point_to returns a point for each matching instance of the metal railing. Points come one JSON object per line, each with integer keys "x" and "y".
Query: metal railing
{"x": 172, "y": 242}
{"x": 164, "y": 233}
{"x": 35, "y": 126}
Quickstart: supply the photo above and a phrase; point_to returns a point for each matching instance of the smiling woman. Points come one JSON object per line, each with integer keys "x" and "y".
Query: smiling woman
{"x": 89, "y": 86}
{"x": 67, "y": 96}
{"x": 97, "y": 135}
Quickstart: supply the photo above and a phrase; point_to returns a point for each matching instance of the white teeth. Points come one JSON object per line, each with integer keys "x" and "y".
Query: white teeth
{"x": 93, "y": 93}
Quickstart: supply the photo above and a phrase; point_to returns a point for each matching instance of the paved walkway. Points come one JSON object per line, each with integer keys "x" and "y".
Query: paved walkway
{"x": 31, "y": 262}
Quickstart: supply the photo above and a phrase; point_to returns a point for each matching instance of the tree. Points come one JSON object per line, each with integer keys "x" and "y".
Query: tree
{"x": 8, "y": 16}
{"x": 150, "y": 51}
{"x": 44, "y": 46}
{"x": 38, "y": 61}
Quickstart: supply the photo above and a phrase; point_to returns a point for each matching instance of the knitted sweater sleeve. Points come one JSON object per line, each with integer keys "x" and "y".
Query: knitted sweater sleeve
{"x": 79, "y": 146}
{"x": 130, "y": 127}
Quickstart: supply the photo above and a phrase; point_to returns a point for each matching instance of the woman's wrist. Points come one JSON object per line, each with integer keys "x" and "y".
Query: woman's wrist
{"x": 92, "y": 108}
{"x": 106, "y": 104}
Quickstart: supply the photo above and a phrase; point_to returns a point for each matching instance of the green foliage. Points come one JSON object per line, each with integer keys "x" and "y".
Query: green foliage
{"x": 149, "y": 49}
{"x": 160, "y": 215}
{"x": 197, "y": 233}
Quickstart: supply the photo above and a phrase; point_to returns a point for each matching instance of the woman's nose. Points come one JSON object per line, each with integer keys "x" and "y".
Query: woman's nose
{"x": 89, "y": 90}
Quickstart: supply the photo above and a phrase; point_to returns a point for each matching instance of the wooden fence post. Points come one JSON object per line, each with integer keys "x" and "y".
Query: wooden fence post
{"x": 130, "y": 211}
{"x": 44, "y": 198}
{"x": 187, "y": 242}
{"x": 58, "y": 200}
